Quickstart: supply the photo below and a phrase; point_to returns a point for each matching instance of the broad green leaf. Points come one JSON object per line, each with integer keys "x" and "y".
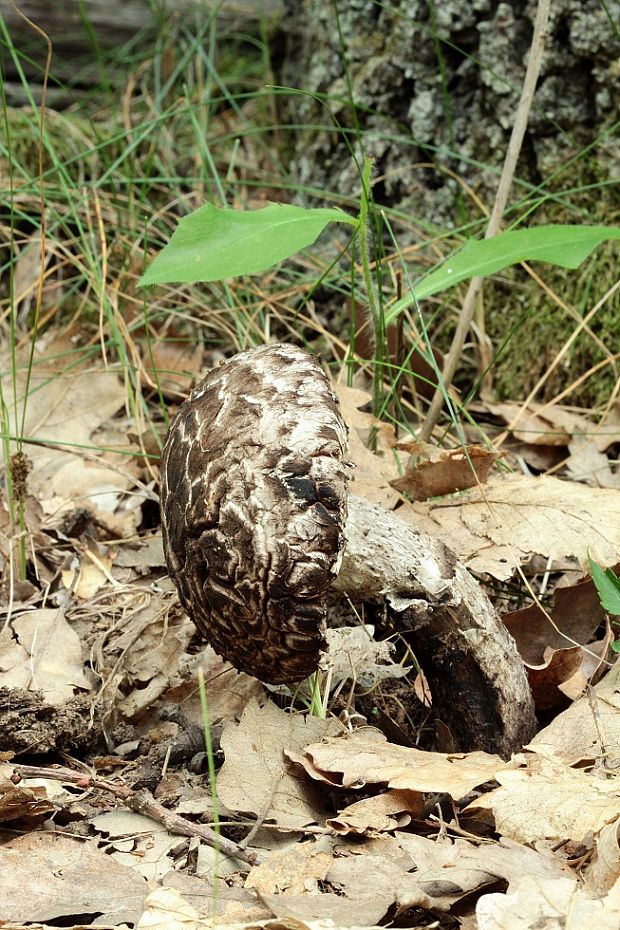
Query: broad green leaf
{"x": 213, "y": 243}
{"x": 566, "y": 246}
{"x": 608, "y": 587}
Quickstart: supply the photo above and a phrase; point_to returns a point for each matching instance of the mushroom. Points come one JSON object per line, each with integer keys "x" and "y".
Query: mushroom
{"x": 258, "y": 529}
{"x": 253, "y": 502}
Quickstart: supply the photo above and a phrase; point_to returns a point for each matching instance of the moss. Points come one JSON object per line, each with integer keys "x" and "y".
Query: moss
{"x": 533, "y": 329}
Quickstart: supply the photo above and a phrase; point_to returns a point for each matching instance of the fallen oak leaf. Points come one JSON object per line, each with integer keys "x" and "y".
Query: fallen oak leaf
{"x": 572, "y": 620}
{"x": 449, "y": 868}
{"x": 17, "y": 801}
{"x": 356, "y": 760}
{"x": 536, "y": 902}
{"x": 381, "y": 813}
{"x": 372, "y": 472}
{"x": 559, "y": 665}
{"x": 589, "y": 730}
{"x": 291, "y": 872}
{"x": 436, "y": 472}
{"x": 550, "y": 801}
{"x": 557, "y": 643}
{"x": 255, "y": 777}
{"x": 544, "y": 515}
{"x": 602, "y": 873}
{"x": 541, "y": 425}
{"x": 40, "y": 651}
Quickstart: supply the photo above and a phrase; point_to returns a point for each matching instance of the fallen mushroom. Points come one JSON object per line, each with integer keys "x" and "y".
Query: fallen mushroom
{"x": 257, "y": 527}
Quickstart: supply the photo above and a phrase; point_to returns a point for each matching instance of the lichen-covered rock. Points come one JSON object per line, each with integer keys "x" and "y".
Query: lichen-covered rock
{"x": 253, "y": 504}
{"x": 439, "y": 83}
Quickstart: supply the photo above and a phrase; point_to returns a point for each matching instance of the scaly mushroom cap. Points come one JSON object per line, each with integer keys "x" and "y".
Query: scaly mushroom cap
{"x": 253, "y": 494}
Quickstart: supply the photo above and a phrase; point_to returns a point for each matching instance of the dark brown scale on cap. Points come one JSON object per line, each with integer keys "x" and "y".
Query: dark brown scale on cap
{"x": 253, "y": 502}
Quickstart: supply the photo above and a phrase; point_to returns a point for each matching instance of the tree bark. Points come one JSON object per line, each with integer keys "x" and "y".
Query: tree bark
{"x": 481, "y": 696}
{"x": 436, "y": 86}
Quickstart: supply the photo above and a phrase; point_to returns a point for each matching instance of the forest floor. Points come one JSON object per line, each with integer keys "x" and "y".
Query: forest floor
{"x": 144, "y": 781}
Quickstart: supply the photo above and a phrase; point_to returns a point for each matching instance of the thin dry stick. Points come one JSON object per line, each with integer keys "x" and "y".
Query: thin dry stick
{"x": 505, "y": 183}
{"x": 142, "y": 802}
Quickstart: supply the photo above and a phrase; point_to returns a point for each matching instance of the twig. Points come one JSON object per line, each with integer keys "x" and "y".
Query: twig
{"x": 505, "y": 183}
{"x": 143, "y": 802}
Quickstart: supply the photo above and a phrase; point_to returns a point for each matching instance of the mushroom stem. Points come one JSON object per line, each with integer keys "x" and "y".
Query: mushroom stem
{"x": 481, "y": 696}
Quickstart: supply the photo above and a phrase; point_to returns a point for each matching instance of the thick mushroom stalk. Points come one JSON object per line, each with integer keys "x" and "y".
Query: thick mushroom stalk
{"x": 255, "y": 531}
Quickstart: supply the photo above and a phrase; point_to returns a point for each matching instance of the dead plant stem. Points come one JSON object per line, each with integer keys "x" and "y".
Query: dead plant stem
{"x": 505, "y": 183}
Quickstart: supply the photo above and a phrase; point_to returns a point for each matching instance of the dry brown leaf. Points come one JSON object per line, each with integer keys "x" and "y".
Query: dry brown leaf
{"x": 255, "y": 777}
{"x": 231, "y": 903}
{"x": 603, "y": 872}
{"x": 447, "y": 869}
{"x": 366, "y": 887}
{"x": 66, "y": 410}
{"x": 546, "y": 680}
{"x": 587, "y": 464}
{"x": 442, "y": 471}
{"x": 49, "y": 877}
{"x": 354, "y": 654}
{"x": 40, "y": 651}
{"x": 293, "y": 872}
{"x": 136, "y": 841}
{"x": 373, "y": 885}
{"x": 575, "y": 616}
{"x": 557, "y": 904}
{"x": 27, "y": 273}
{"x": 17, "y": 801}
{"x": 607, "y": 432}
{"x": 357, "y": 759}
{"x": 478, "y": 554}
{"x": 141, "y": 555}
{"x": 381, "y": 813}
{"x": 153, "y": 646}
{"x": 228, "y": 691}
{"x": 542, "y": 515}
{"x": 372, "y": 472}
{"x": 167, "y": 909}
{"x": 551, "y": 645}
{"x": 65, "y": 406}
{"x": 327, "y": 911}
{"x": 594, "y": 664}
{"x": 548, "y": 425}
{"x": 92, "y": 576}
{"x": 589, "y": 730}
{"x": 173, "y": 366}
{"x": 550, "y": 801}
{"x": 554, "y": 425}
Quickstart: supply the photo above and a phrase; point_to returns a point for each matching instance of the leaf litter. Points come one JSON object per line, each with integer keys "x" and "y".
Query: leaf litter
{"x": 328, "y": 819}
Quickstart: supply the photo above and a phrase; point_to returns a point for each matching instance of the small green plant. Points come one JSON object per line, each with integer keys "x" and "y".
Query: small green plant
{"x": 608, "y": 586}
{"x": 214, "y": 243}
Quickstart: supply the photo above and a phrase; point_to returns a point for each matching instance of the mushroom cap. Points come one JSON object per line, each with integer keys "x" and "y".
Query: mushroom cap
{"x": 253, "y": 503}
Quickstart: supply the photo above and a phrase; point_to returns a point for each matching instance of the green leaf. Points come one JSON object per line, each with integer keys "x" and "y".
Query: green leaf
{"x": 608, "y": 587}
{"x": 213, "y": 243}
{"x": 566, "y": 246}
